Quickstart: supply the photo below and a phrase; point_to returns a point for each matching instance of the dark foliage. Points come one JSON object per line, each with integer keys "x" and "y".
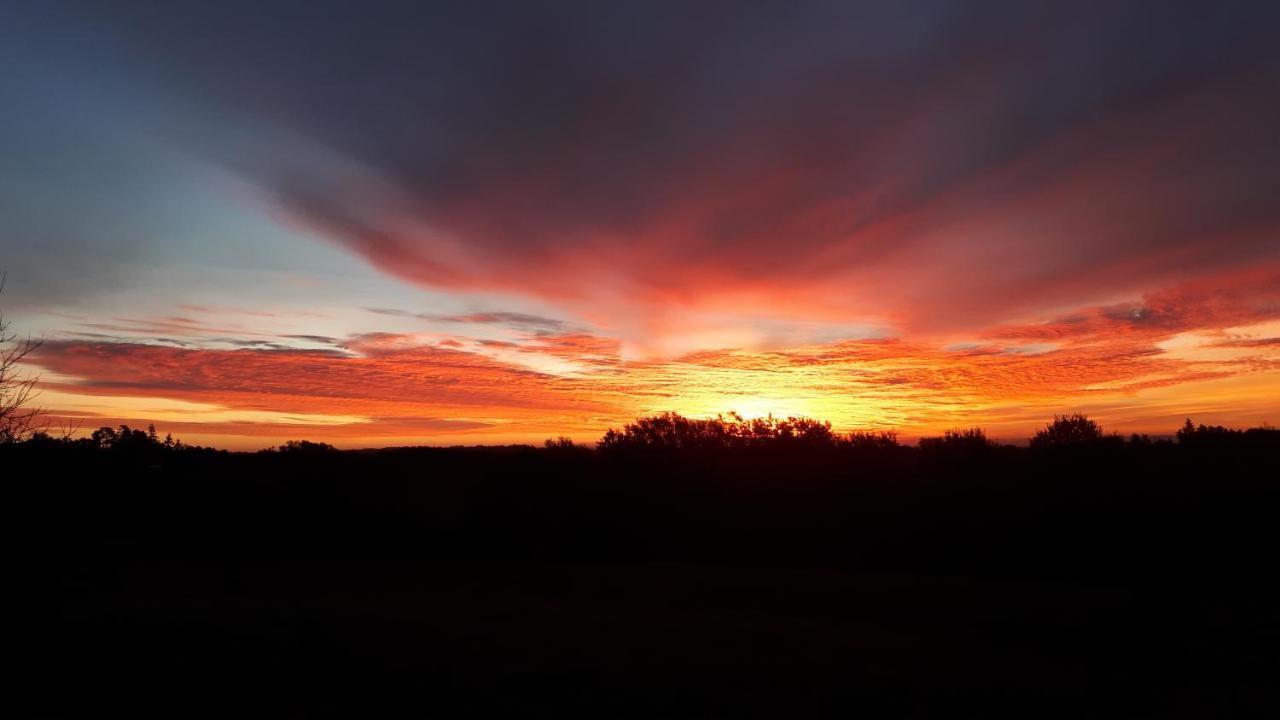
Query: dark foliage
{"x": 305, "y": 448}
{"x": 673, "y": 432}
{"x": 1069, "y": 431}
{"x": 686, "y": 567}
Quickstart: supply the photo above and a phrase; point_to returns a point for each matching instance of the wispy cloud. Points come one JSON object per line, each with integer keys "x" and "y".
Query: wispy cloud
{"x": 509, "y": 319}
{"x": 391, "y": 381}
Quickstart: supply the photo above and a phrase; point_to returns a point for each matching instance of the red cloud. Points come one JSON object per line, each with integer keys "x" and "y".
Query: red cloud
{"x": 1217, "y": 301}
{"x": 764, "y": 222}
{"x": 390, "y": 387}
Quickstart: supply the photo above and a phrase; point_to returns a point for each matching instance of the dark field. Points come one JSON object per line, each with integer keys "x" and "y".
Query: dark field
{"x": 1113, "y": 579}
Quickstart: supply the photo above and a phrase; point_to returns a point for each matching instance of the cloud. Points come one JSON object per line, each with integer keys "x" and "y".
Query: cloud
{"x": 1250, "y": 343}
{"x": 938, "y": 167}
{"x": 510, "y": 319}
{"x": 295, "y": 380}
{"x": 317, "y": 339}
{"x": 1210, "y": 302}
{"x": 381, "y": 385}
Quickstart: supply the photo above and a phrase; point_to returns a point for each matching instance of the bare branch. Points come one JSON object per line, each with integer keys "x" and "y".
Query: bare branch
{"x": 18, "y": 416}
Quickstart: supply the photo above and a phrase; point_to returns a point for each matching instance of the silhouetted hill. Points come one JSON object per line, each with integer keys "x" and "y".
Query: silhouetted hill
{"x": 682, "y": 568}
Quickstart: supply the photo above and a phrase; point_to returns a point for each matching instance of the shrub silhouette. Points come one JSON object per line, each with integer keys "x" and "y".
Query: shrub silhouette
{"x": 126, "y": 439}
{"x": 306, "y": 447}
{"x": 668, "y": 432}
{"x": 1203, "y": 434}
{"x": 967, "y": 440}
{"x": 1068, "y": 431}
{"x": 872, "y": 440}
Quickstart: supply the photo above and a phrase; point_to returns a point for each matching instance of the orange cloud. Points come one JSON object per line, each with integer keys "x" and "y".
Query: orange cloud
{"x": 803, "y": 217}
{"x": 1184, "y": 346}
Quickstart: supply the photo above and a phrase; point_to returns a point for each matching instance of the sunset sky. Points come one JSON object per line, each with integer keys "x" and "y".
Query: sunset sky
{"x": 498, "y": 222}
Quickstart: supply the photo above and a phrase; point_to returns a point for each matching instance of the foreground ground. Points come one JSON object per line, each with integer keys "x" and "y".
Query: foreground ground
{"x": 563, "y": 582}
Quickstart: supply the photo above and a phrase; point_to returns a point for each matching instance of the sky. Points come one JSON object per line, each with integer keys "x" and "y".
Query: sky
{"x": 384, "y": 223}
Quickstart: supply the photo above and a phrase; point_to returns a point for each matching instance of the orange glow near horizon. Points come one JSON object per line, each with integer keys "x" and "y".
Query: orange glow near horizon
{"x": 384, "y": 389}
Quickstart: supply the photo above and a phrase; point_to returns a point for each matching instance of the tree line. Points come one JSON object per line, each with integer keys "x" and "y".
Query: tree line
{"x": 671, "y": 432}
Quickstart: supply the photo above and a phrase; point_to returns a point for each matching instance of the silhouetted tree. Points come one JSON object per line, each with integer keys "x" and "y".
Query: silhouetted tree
{"x": 806, "y": 431}
{"x": 671, "y": 432}
{"x": 103, "y": 438}
{"x": 1068, "y": 431}
{"x": 1186, "y": 432}
{"x": 872, "y": 440}
{"x": 306, "y": 447}
{"x": 125, "y": 439}
{"x": 959, "y": 445}
{"x": 17, "y": 390}
{"x": 967, "y": 439}
{"x": 667, "y": 431}
{"x": 1201, "y": 435}
{"x": 1265, "y": 437}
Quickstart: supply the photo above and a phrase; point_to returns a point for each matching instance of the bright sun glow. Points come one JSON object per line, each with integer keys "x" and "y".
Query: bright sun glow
{"x": 748, "y": 406}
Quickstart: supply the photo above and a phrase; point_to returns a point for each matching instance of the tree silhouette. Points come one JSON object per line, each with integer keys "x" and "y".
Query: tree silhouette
{"x": 671, "y": 431}
{"x": 1186, "y": 432}
{"x": 17, "y": 390}
{"x": 306, "y": 447}
{"x": 1202, "y": 435}
{"x": 1068, "y": 431}
{"x": 952, "y": 441}
{"x": 872, "y": 440}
